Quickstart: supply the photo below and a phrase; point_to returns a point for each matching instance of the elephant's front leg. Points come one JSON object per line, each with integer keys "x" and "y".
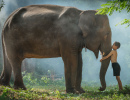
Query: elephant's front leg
{"x": 79, "y": 74}
{"x": 70, "y": 66}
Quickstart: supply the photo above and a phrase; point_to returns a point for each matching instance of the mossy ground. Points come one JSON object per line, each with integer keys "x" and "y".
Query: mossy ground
{"x": 56, "y": 91}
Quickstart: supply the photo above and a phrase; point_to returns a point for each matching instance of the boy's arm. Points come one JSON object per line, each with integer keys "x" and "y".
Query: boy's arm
{"x": 110, "y": 54}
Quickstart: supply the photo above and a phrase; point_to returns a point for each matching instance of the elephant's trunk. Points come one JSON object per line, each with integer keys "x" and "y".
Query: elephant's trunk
{"x": 103, "y": 70}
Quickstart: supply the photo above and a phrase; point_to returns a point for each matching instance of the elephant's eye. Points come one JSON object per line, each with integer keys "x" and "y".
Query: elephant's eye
{"x": 107, "y": 33}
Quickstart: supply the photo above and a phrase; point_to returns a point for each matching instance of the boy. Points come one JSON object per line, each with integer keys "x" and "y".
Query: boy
{"x": 115, "y": 65}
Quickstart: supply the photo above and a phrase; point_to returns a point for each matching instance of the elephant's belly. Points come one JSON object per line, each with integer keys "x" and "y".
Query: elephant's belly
{"x": 44, "y": 52}
{"x": 41, "y": 47}
{"x": 27, "y": 55}
{"x": 43, "y": 55}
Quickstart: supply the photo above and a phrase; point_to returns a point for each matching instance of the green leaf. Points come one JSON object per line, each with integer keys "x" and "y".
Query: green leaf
{"x": 115, "y": 5}
{"x": 125, "y": 21}
{"x": 104, "y": 5}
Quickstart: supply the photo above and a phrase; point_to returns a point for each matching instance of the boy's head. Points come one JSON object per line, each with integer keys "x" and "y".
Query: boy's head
{"x": 116, "y": 45}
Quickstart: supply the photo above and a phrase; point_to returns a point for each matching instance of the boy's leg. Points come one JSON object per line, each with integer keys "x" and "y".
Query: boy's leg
{"x": 119, "y": 82}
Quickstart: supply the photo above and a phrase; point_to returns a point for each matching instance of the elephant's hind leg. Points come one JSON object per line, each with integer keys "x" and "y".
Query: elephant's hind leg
{"x": 16, "y": 66}
{"x": 15, "y": 58}
{"x": 6, "y": 73}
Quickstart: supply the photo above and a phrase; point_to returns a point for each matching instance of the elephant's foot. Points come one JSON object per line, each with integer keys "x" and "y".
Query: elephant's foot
{"x": 4, "y": 83}
{"x": 101, "y": 89}
{"x": 19, "y": 87}
{"x": 81, "y": 90}
{"x": 74, "y": 91}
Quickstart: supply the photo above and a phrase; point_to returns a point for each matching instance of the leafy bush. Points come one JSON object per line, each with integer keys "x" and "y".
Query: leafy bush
{"x": 30, "y": 80}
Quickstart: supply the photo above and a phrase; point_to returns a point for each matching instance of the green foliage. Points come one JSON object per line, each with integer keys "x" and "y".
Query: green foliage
{"x": 45, "y": 79}
{"x": 111, "y": 93}
{"x": 38, "y": 89}
{"x": 116, "y": 5}
{"x": 125, "y": 21}
{"x": 1, "y": 5}
{"x": 31, "y": 80}
{"x": 28, "y": 79}
{"x": 9, "y": 93}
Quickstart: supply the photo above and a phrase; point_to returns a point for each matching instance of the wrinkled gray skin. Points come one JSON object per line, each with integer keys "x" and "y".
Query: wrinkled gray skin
{"x": 45, "y": 31}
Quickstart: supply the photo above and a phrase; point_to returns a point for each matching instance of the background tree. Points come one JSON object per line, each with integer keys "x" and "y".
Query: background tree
{"x": 1, "y": 4}
{"x": 116, "y": 5}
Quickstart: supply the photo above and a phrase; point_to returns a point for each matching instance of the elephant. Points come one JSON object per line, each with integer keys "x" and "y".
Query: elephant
{"x": 48, "y": 31}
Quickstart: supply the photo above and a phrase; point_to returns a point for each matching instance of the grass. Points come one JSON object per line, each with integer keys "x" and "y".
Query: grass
{"x": 55, "y": 91}
{"x": 46, "y": 89}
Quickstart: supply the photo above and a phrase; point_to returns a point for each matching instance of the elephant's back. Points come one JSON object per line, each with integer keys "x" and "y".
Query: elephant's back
{"x": 38, "y": 15}
{"x": 26, "y": 14}
{"x": 48, "y": 13}
{"x": 40, "y": 21}
{"x": 42, "y": 11}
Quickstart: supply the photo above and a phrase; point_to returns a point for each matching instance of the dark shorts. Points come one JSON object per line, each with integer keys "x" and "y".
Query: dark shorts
{"x": 116, "y": 69}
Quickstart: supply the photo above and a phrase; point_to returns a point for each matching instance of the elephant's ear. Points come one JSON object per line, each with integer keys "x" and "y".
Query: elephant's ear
{"x": 82, "y": 24}
{"x": 106, "y": 35}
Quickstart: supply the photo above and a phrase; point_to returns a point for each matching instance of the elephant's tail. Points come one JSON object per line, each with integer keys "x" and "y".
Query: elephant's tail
{"x": 2, "y": 74}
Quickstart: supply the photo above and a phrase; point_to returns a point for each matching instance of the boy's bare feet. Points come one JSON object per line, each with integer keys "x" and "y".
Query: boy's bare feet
{"x": 119, "y": 83}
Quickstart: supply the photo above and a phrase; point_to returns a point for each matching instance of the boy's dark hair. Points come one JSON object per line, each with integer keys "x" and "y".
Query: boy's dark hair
{"x": 117, "y": 44}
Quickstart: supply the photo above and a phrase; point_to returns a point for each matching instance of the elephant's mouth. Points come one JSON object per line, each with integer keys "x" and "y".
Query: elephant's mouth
{"x": 96, "y": 52}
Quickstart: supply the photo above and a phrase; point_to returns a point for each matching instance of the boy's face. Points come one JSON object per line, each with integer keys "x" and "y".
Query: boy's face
{"x": 114, "y": 46}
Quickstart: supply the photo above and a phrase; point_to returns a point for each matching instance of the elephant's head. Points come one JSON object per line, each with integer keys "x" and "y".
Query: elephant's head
{"x": 97, "y": 36}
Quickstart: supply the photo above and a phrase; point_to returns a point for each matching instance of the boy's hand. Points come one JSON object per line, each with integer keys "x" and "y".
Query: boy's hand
{"x": 100, "y": 60}
{"x": 103, "y": 53}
